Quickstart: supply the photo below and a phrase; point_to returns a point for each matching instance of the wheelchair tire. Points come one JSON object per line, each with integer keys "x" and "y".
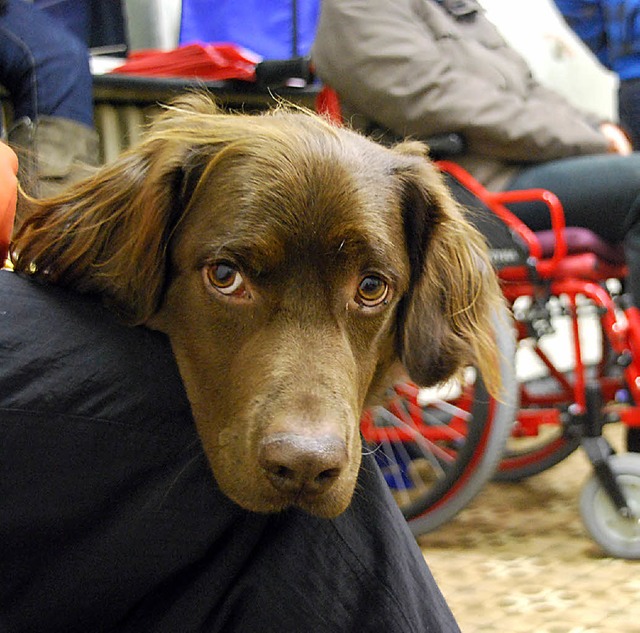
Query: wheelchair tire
{"x": 437, "y": 465}
{"x": 619, "y": 536}
{"x": 521, "y": 462}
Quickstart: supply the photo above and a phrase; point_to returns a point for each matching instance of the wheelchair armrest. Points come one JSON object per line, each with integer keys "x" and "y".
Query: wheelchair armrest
{"x": 277, "y": 72}
{"x": 546, "y": 266}
{"x": 443, "y": 146}
{"x": 496, "y": 202}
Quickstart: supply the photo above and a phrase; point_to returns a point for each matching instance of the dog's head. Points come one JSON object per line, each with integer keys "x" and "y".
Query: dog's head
{"x": 291, "y": 263}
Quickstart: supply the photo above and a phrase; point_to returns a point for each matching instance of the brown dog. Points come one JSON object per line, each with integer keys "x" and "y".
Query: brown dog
{"x": 291, "y": 263}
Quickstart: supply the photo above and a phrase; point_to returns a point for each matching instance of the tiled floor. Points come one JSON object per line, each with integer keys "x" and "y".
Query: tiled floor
{"x": 518, "y": 559}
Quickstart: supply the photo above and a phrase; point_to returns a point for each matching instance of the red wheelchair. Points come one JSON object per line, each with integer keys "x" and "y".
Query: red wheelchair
{"x": 563, "y": 276}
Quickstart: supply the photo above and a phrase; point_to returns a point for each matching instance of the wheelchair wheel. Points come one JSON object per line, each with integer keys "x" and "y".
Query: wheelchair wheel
{"x": 523, "y": 459}
{"x": 618, "y": 535}
{"x": 436, "y": 449}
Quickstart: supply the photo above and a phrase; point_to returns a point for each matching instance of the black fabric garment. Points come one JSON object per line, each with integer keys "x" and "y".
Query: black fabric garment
{"x": 110, "y": 519}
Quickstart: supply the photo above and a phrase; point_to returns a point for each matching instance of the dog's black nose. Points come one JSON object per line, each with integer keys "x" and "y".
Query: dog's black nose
{"x": 302, "y": 463}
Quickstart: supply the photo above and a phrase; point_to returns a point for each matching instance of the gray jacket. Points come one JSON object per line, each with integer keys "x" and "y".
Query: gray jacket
{"x": 426, "y": 67}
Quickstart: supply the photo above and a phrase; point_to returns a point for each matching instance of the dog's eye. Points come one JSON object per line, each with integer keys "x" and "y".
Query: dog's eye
{"x": 372, "y": 291}
{"x": 225, "y": 279}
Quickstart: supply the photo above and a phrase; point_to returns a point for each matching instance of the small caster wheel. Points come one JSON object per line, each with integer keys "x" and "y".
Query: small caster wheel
{"x": 617, "y": 534}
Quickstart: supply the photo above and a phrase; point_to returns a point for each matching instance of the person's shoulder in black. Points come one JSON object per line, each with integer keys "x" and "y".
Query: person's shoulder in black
{"x": 110, "y": 519}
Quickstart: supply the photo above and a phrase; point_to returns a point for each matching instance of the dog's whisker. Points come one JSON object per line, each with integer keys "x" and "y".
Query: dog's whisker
{"x": 191, "y": 461}
{"x": 370, "y": 451}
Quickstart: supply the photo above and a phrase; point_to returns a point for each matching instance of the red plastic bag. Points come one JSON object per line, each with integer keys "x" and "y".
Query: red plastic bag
{"x": 214, "y": 62}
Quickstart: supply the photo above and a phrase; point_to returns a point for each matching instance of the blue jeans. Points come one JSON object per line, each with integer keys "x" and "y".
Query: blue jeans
{"x": 43, "y": 66}
{"x": 599, "y": 192}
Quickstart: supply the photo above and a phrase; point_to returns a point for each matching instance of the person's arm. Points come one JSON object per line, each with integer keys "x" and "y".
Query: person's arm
{"x": 385, "y": 63}
{"x": 585, "y": 18}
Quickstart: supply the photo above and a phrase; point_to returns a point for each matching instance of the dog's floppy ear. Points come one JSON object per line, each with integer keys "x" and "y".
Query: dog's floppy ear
{"x": 109, "y": 234}
{"x": 446, "y": 320}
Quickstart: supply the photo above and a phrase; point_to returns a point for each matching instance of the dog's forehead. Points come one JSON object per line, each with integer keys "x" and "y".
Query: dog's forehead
{"x": 315, "y": 193}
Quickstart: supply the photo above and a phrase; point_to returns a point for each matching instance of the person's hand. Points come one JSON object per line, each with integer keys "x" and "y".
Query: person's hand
{"x": 618, "y": 141}
{"x": 8, "y": 193}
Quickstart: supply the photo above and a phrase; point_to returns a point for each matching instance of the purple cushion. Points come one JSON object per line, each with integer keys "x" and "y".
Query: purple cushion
{"x": 581, "y": 240}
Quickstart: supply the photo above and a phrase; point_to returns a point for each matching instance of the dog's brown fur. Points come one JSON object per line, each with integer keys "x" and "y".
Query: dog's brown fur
{"x": 279, "y": 372}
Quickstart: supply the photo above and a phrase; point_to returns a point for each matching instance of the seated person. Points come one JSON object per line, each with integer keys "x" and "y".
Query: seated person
{"x": 439, "y": 66}
{"x": 45, "y": 70}
{"x": 110, "y": 519}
